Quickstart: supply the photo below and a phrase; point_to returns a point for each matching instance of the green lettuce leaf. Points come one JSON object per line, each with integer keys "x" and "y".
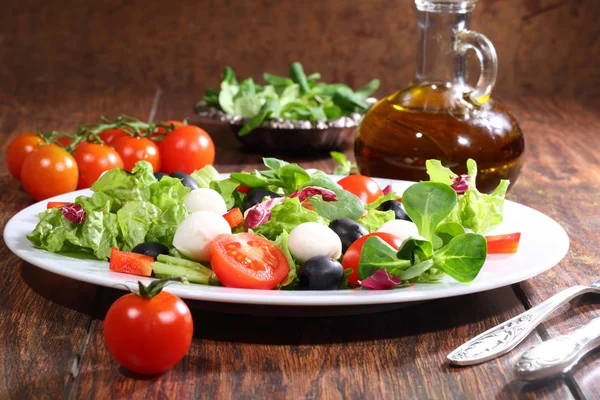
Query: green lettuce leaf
{"x": 286, "y": 216}
{"x": 204, "y": 176}
{"x": 227, "y": 189}
{"x": 123, "y": 186}
{"x": 375, "y": 218}
{"x": 135, "y": 219}
{"x": 282, "y": 242}
{"x": 164, "y": 226}
{"x": 97, "y": 235}
{"x": 474, "y": 210}
{"x": 167, "y": 192}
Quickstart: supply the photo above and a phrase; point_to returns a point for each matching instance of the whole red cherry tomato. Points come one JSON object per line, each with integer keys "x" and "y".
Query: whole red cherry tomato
{"x": 110, "y": 135}
{"x": 365, "y": 188}
{"x": 94, "y": 159}
{"x": 21, "y": 147}
{"x": 148, "y": 333}
{"x": 49, "y": 171}
{"x": 186, "y": 149}
{"x": 134, "y": 149}
{"x": 352, "y": 256}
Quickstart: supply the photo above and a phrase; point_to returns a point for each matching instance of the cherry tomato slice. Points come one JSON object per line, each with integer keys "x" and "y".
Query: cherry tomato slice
{"x": 352, "y": 256}
{"x": 246, "y": 260}
{"x": 365, "y": 188}
{"x": 503, "y": 244}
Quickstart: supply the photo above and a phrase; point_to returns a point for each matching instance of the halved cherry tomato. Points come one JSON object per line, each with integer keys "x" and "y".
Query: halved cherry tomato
{"x": 234, "y": 217}
{"x": 130, "y": 263}
{"x": 49, "y": 171}
{"x": 148, "y": 336}
{"x": 352, "y": 256}
{"x": 246, "y": 260}
{"x": 18, "y": 150}
{"x": 56, "y": 204}
{"x": 503, "y": 244}
{"x": 243, "y": 189}
{"x": 186, "y": 149}
{"x": 93, "y": 159}
{"x": 365, "y": 188}
{"x": 134, "y": 149}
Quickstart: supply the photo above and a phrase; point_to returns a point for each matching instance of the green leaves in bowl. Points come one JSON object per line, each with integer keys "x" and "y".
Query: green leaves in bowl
{"x": 297, "y": 97}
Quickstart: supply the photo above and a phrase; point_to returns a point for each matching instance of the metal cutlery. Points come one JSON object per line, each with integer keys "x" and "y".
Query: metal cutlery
{"x": 558, "y": 355}
{"x": 504, "y": 337}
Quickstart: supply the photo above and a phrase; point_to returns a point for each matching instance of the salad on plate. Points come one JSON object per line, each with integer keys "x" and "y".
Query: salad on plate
{"x": 283, "y": 228}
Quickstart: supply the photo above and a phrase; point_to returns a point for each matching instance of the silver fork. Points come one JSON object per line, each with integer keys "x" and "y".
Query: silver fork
{"x": 504, "y": 337}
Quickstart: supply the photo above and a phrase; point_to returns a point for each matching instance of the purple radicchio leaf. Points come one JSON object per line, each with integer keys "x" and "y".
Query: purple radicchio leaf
{"x": 387, "y": 190}
{"x": 260, "y": 213}
{"x": 460, "y": 184}
{"x": 328, "y": 195}
{"x": 74, "y": 212}
{"x": 380, "y": 280}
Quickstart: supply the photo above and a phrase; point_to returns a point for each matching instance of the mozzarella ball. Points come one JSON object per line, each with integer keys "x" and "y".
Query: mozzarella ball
{"x": 205, "y": 199}
{"x": 311, "y": 239}
{"x": 400, "y": 228}
{"x": 193, "y": 237}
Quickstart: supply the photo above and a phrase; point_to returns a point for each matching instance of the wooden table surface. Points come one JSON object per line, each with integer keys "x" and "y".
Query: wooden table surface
{"x": 51, "y": 343}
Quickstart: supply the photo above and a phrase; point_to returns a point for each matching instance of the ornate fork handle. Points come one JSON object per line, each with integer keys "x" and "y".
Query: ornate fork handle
{"x": 504, "y": 337}
{"x": 559, "y": 354}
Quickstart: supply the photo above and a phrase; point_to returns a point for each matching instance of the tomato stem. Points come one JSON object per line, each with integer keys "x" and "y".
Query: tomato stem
{"x": 157, "y": 285}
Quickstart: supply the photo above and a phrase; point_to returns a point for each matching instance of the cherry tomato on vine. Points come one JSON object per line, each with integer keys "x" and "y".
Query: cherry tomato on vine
{"x": 352, "y": 255}
{"x": 110, "y": 135}
{"x": 65, "y": 140}
{"x": 186, "y": 149}
{"x": 161, "y": 131}
{"x": 49, "y": 171}
{"x": 148, "y": 333}
{"x": 246, "y": 260}
{"x": 133, "y": 149}
{"x": 18, "y": 150}
{"x": 92, "y": 160}
{"x": 365, "y": 188}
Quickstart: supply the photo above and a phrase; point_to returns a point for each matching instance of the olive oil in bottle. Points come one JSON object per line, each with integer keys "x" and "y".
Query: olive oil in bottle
{"x": 440, "y": 116}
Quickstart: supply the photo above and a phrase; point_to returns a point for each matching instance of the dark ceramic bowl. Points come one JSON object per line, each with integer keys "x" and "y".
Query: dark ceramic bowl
{"x": 287, "y": 136}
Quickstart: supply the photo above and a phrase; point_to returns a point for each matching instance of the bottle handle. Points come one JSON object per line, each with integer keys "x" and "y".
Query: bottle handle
{"x": 488, "y": 60}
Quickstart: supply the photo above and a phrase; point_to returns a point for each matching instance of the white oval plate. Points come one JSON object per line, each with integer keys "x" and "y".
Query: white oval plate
{"x": 543, "y": 244}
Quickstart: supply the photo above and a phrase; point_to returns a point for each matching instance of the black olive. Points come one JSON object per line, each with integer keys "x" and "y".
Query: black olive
{"x": 256, "y": 196}
{"x": 396, "y": 207}
{"x": 159, "y": 175}
{"x": 185, "y": 179}
{"x": 320, "y": 273}
{"x": 152, "y": 249}
{"x": 348, "y": 230}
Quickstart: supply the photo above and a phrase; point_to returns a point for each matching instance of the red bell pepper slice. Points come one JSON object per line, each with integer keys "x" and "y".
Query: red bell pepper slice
{"x": 130, "y": 263}
{"x": 56, "y": 204}
{"x": 234, "y": 217}
{"x": 503, "y": 244}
